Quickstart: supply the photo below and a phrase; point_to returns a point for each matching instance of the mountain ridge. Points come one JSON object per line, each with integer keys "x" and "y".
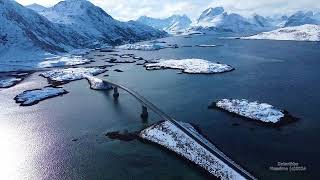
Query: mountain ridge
{"x": 170, "y": 24}
{"x": 27, "y": 35}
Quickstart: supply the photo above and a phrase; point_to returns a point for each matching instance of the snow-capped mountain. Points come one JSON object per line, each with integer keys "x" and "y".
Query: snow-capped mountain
{"x": 23, "y": 27}
{"x": 171, "y": 24}
{"x": 209, "y": 15}
{"x": 26, "y": 37}
{"x": 93, "y": 22}
{"x": 36, "y": 7}
{"x": 278, "y": 21}
{"x": 216, "y": 19}
{"x": 307, "y": 32}
{"x": 301, "y": 18}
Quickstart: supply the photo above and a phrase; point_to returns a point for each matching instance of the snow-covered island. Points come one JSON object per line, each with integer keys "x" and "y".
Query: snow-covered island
{"x": 32, "y": 97}
{"x": 13, "y": 79}
{"x": 307, "y": 32}
{"x": 261, "y": 112}
{"x": 142, "y": 47}
{"x": 97, "y": 84}
{"x": 9, "y": 82}
{"x": 63, "y": 61}
{"x": 63, "y": 76}
{"x": 191, "y": 66}
{"x": 169, "y": 136}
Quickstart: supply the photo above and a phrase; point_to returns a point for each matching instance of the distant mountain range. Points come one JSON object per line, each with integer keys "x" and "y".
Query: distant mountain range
{"x": 301, "y": 18}
{"x": 173, "y": 23}
{"x": 218, "y": 20}
{"x": 69, "y": 25}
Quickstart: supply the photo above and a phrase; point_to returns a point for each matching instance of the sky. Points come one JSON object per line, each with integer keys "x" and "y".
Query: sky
{"x": 132, "y": 9}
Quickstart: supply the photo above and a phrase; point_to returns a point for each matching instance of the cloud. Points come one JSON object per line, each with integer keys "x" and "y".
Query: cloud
{"x": 132, "y": 9}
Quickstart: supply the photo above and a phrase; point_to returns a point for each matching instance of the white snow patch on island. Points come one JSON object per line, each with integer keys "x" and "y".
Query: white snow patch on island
{"x": 9, "y": 82}
{"x": 207, "y": 45}
{"x": 97, "y": 84}
{"x": 142, "y": 47}
{"x": 171, "y": 137}
{"x": 192, "y": 66}
{"x": 253, "y": 110}
{"x": 71, "y": 74}
{"x": 32, "y": 97}
{"x": 308, "y": 32}
{"x": 63, "y": 61}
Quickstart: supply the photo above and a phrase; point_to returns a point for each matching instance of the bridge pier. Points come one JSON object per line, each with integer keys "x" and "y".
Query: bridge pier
{"x": 144, "y": 114}
{"x": 115, "y": 92}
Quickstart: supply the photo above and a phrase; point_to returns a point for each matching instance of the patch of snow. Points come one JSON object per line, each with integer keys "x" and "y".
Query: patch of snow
{"x": 192, "y": 66}
{"x": 137, "y": 57}
{"x": 142, "y": 47}
{"x": 253, "y": 110}
{"x": 306, "y": 32}
{"x": 191, "y": 32}
{"x": 97, "y": 84}
{"x": 31, "y": 97}
{"x": 207, "y": 45}
{"x": 63, "y": 61}
{"x": 71, "y": 74}
{"x": 9, "y": 82}
{"x": 171, "y": 137}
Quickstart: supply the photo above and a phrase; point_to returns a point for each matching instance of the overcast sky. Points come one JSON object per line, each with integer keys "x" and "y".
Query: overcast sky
{"x": 132, "y": 9}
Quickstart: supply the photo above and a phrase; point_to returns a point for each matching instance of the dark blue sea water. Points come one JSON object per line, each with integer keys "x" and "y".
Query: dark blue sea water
{"x": 282, "y": 73}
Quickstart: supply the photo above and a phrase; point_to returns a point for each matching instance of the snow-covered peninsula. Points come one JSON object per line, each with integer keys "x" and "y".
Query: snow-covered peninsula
{"x": 307, "y": 32}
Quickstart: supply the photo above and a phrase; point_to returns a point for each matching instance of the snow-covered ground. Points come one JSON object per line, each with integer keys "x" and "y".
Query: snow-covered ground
{"x": 9, "y": 82}
{"x": 142, "y": 47}
{"x": 97, "y": 84}
{"x": 253, "y": 110}
{"x": 306, "y": 32}
{"x": 171, "y": 137}
{"x": 192, "y": 66}
{"x": 31, "y": 97}
{"x": 71, "y": 74}
{"x": 63, "y": 61}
